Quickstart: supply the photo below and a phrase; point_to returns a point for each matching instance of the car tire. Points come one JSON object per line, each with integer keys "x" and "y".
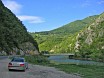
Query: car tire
{"x": 23, "y": 70}
{"x": 9, "y": 69}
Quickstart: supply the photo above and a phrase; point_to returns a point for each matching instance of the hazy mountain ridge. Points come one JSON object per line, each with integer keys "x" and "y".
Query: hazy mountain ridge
{"x": 14, "y": 38}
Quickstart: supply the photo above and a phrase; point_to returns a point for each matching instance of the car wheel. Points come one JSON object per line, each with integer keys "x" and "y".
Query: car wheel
{"x": 24, "y": 70}
{"x": 9, "y": 69}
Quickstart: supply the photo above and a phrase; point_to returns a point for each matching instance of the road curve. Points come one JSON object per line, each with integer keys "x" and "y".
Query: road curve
{"x": 34, "y": 71}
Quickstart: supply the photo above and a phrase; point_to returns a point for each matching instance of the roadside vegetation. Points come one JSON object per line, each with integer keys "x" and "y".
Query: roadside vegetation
{"x": 14, "y": 37}
{"x": 37, "y": 59}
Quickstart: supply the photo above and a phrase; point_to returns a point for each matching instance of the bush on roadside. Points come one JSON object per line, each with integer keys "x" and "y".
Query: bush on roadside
{"x": 37, "y": 59}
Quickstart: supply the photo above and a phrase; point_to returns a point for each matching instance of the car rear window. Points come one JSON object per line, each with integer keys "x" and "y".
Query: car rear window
{"x": 17, "y": 60}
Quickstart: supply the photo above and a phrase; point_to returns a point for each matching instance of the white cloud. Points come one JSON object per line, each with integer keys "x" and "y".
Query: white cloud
{"x": 16, "y": 9}
{"x": 31, "y": 19}
{"x": 101, "y": 2}
{"x": 13, "y": 6}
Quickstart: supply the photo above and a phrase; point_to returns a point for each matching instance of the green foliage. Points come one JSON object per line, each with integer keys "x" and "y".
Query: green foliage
{"x": 12, "y": 32}
{"x": 95, "y": 49}
{"x": 62, "y": 40}
{"x": 37, "y": 59}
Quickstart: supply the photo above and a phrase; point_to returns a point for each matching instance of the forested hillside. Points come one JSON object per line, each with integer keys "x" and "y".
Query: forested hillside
{"x": 63, "y": 38}
{"x": 14, "y": 38}
{"x": 84, "y": 37}
{"x": 90, "y": 41}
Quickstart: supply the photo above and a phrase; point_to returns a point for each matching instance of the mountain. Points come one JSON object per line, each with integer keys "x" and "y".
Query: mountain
{"x": 14, "y": 38}
{"x": 71, "y": 27}
{"x": 59, "y": 40}
{"x": 90, "y": 41}
{"x": 83, "y": 37}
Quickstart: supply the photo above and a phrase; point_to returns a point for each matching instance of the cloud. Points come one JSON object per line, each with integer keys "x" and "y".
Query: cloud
{"x": 31, "y": 19}
{"x": 101, "y": 2}
{"x": 13, "y": 6}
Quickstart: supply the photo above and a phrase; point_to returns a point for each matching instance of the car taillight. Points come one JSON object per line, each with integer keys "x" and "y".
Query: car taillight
{"x": 21, "y": 64}
{"x": 10, "y": 64}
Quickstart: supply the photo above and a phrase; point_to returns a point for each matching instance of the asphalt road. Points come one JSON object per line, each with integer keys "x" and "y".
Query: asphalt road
{"x": 3, "y": 57}
{"x": 34, "y": 71}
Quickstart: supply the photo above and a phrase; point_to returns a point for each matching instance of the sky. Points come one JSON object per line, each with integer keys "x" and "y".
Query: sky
{"x": 46, "y": 15}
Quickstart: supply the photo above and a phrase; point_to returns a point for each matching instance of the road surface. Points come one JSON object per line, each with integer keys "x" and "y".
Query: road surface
{"x": 34, "y": 71}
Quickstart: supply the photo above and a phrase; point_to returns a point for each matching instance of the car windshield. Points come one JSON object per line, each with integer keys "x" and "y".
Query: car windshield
{"x": 17, "y": 60}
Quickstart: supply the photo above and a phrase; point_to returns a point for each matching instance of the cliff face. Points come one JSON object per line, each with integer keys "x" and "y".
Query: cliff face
{"x": 14, "y": 38}
{"x": 90, "y": 41}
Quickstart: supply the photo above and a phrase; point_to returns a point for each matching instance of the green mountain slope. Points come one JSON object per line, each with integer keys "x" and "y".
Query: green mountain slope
{"x": 13, "y": 34}
{"x": 74, "y": 26}
{"x": 90, "y": 41}
{"x": 71, "y": 27}
{"x": 86, "y": 42}
{"x": 58, "y": 40}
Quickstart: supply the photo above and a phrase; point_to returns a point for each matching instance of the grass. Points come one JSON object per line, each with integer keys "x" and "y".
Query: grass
{"x": 85, "y": 71}
{"x": 37, "y": 59}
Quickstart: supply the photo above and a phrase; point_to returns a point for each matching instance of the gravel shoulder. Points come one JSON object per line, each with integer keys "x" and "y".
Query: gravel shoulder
{"x": 34, "y": 71}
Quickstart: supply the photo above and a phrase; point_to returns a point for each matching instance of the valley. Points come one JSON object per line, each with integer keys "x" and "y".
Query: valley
{"x": 75, "y": 38}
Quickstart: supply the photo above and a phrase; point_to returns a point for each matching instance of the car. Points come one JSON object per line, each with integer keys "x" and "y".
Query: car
{"x": 18, "y": 63}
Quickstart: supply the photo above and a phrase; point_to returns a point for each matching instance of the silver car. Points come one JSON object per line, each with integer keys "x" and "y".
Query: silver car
{"x": 17, "y": 63}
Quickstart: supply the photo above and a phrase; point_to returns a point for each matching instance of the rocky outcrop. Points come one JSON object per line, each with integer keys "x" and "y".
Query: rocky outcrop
{"x": 92, "y": 32}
